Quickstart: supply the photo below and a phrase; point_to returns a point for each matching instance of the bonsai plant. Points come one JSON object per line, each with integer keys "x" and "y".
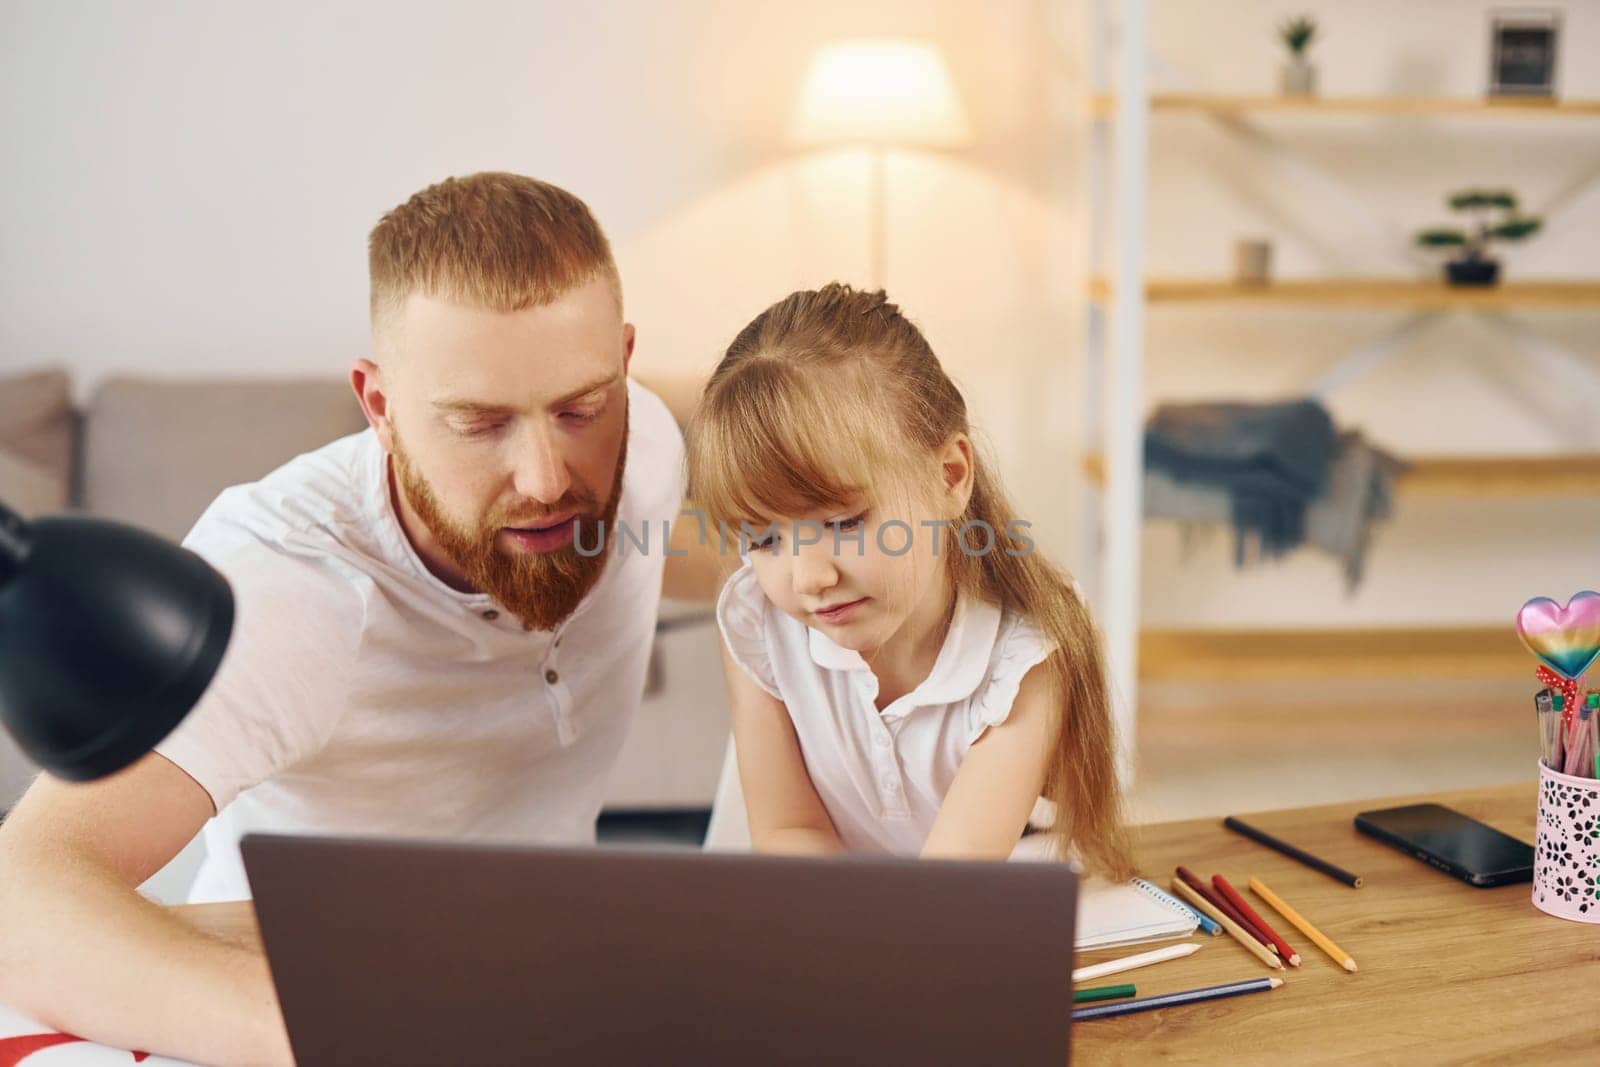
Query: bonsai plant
{"x": 1299, "y": 76}
{"x": 1495, "y": 218}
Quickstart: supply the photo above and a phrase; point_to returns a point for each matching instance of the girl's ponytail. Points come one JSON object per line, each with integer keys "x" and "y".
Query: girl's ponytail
{"x": 1082, "y": 780}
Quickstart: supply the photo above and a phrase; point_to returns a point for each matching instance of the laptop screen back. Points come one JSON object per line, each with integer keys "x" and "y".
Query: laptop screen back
{"x": 395, "y": 952}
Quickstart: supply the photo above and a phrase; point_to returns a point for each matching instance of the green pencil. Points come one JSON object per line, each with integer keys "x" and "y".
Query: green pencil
{"x": 1103, "y": 992}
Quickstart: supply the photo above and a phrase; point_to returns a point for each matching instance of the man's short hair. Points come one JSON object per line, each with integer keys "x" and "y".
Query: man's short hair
{"x": 499, "y": 241}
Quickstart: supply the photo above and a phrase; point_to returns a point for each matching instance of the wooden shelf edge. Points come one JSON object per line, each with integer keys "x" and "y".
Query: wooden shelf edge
{"x": 1104, "y": 105}
{"x": 1575, "y": 474}
{"x": 1364, "y": 292}
{"x": 1382, "y": 652}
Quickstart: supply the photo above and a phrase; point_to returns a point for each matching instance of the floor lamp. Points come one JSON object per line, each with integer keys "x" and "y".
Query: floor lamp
{"x": 880, "y": 94}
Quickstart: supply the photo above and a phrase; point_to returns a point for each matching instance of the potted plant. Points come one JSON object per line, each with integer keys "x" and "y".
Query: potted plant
{"x": 1298, "y": 76}
{"x": 1495, "y": 218}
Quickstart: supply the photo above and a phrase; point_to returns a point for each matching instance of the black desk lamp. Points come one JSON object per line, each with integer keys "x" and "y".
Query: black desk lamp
{"x": 108, "y": 636}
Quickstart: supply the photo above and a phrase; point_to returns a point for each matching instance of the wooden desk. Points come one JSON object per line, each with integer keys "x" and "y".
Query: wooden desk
{"x": 232, "y": 921}
{"x": 1449, "y": 974}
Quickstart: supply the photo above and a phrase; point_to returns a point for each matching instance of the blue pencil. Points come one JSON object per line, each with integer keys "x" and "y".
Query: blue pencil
{"x": 1207, "y": 923}
{"x": 1169, "y": 1000}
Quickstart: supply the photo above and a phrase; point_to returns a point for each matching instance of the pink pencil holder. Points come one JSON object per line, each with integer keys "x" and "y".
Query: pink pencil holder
{"x": 1566, "y": 849}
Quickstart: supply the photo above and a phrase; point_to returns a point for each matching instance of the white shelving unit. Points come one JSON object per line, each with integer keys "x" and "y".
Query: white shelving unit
{"x": 1120, "y": 109}
{"x": 1121, "y": 321}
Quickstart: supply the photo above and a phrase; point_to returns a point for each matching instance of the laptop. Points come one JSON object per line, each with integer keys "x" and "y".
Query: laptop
{"x": 396, "y": 952}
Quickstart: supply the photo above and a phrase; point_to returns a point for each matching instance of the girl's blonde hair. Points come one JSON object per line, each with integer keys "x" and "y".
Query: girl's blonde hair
{"x": 832, "y": 393}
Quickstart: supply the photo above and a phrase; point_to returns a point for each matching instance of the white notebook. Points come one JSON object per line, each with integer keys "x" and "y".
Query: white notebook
{"x": 1110, "y": 916}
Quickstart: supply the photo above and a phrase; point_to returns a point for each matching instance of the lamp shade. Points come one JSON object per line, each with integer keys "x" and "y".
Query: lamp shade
{"x": 880, "y": 92}
{"x": 108, "y": 636}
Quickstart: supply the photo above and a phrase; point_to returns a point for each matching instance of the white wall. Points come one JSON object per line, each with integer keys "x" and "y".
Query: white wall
{"x": 187, "y": 187}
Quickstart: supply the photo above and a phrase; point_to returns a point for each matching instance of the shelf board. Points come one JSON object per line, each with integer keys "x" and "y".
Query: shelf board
{"x": 1365, "y": 292}
{"x": 1385, "y": 652}
{"x": 1477, "y": 476}
{"x": 1104, "y": 105}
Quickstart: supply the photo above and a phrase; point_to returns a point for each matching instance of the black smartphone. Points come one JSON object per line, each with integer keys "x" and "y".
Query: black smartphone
{"x": 1456, "y": 844}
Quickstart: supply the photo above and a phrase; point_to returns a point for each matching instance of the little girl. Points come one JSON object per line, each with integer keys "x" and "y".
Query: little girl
{"x": 906, "y": 674}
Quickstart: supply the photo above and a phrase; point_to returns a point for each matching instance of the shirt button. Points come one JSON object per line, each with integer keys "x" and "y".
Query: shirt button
{"x": 880, "y": 740}
{"x": 552, "y": 677}
{"x": 491, "y": 614}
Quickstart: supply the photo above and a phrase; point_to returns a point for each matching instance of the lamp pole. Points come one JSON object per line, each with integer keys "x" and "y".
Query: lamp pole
{"x": 878, "y": 208}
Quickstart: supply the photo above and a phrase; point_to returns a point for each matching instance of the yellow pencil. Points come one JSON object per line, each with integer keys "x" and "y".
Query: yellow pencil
{"x": 1187, "y": 892}
{"x": 1340, "y": 956}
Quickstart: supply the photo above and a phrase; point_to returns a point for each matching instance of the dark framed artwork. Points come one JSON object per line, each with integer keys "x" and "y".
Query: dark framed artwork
{"x": 1522, "y": 52}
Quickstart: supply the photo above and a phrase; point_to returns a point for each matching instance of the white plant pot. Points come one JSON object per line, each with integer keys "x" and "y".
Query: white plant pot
{"x": 1298, "y": 77}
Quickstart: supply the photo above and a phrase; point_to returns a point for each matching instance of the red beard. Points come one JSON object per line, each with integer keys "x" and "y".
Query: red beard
{"x": 541, "y": 589}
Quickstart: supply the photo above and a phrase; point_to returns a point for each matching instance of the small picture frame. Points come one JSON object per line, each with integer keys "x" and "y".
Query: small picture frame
{"x": 1522, "y": 52}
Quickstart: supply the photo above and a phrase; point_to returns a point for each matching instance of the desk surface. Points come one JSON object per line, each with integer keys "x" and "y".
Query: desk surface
{"x": 1449, "y": 974}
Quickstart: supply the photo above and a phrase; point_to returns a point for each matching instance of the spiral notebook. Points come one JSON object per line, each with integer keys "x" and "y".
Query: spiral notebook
{"x": 1110, "y": 916}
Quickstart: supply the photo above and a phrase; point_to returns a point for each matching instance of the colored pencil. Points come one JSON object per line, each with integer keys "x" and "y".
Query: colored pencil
{"x": 1128, "y": 963}
{"x": 1549, "y": 727}
{"x": 1223, "y": 906}
{"x": 1262, "y": 837}
{"x": 1243, "y": 905}
{"x": 1103, "y": 992}
{"x": 1579, "y": 755}
{"x": 1233, "y": 928}
{"x": 1205, "y": 921}
{"x": 1171, "y": 1000}
{"x": 1340, "y": 956}
{"x": 1593, "y": 702}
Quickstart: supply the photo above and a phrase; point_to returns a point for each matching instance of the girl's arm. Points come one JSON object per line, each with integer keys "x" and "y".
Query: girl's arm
{"x": 786, "y": 815}
{"x": 987, "y": 807}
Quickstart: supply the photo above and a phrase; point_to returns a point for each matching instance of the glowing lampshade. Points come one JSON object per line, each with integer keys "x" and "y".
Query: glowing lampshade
{"x": 880, "y": 92}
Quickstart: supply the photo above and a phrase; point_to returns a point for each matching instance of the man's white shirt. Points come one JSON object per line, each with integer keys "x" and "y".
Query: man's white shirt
{"x": 362, "y": 695}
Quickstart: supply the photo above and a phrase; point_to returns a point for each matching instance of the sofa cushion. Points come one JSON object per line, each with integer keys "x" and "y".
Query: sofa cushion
{"x": 28, "y": 489}
{"x": 36, "y": 431}
{"x": 156, "y": 453}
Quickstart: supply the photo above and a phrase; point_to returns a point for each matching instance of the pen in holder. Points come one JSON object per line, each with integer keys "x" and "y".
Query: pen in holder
{"x": 1566, "y": 847}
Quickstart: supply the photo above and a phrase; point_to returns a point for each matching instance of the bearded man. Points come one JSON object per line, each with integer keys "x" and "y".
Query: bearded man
{"x": 426, "y": 641}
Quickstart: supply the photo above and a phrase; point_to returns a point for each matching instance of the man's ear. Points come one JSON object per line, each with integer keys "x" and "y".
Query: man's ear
{"x": 957, "y": 464}
{"x": 366, "y": 378}
{"x": 627, "y": 345}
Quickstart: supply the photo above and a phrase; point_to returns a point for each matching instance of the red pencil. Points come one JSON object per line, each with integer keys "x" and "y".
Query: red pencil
{"x": 1289, "y": 955}
{"x": 1223, "y": 906}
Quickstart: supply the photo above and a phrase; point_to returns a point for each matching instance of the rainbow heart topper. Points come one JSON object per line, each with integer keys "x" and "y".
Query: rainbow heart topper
{"x": 1566, "y": 639}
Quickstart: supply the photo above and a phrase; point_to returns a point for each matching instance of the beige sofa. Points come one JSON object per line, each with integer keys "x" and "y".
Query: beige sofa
{"x": 156, "y": 452}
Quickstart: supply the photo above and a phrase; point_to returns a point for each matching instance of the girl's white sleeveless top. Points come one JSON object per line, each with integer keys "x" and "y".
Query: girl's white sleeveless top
{"x": 881, "y": 775}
